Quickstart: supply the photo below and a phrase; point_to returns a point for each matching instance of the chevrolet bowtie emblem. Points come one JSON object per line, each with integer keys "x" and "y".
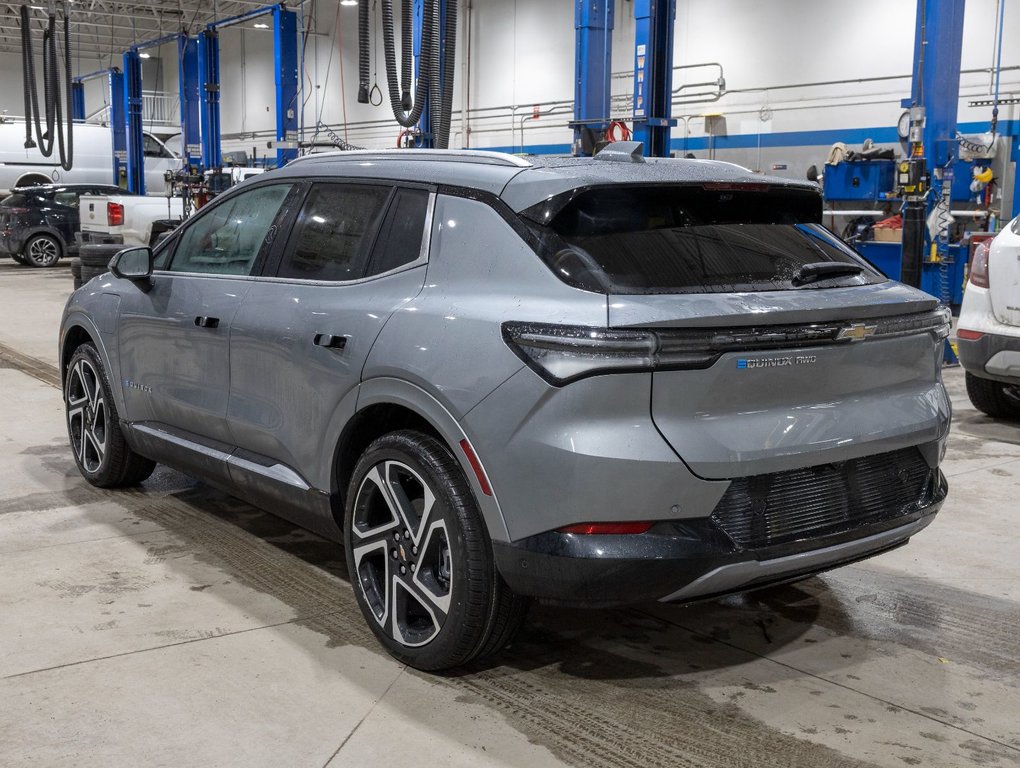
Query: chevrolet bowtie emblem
{"x": 856, "y": 332}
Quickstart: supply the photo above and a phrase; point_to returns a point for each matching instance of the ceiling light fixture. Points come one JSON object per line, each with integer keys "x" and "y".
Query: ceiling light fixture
{"x": 261, "y": 25}
{"x": 145, "y": 55}
{"x": 348, "y": 2}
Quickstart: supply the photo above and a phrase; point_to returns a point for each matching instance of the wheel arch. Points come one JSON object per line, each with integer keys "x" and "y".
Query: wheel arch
{"x": 77, "y": 330}
{"x": 44, "y": 230}
{"x": 388, "y": 404}
{"x": 31, "y": 179}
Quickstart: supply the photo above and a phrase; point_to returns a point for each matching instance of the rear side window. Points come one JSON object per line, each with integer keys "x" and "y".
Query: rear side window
{"x": 692, "y": 239}
{"x": 335, "y": 232}
{"x": 17, "y": 200}
{"x": 401, "y": 235}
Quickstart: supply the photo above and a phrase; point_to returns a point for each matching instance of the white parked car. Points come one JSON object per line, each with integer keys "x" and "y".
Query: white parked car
{"x": 92, "y": 161}
{"x": 988, "y": 334}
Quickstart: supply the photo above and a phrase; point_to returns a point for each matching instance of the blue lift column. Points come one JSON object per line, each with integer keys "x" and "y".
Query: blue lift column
{"x": 78, "y": 100}
{"x": 653, "y": 74}
{"x": 118, "y": 124}
{"x": 593, "y": 58}
{"x": 285, "y": 50}
{"x": 209, "y": 105}
{"x": 133, "y": 113}
{"x": 190, "y": 84}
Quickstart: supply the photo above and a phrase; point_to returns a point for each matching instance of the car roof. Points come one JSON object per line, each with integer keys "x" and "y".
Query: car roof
{"x": 524, "y": 181}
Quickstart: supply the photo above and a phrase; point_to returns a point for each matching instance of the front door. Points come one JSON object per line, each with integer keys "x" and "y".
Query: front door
{"x": 174, "y": 337}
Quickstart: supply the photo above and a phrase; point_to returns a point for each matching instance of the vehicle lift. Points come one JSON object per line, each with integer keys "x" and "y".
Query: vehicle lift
{"x": 115, "y": 83}
{"x": 653, "y": 74}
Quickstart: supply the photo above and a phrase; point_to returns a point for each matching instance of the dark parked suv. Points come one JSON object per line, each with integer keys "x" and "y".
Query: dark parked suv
{"x": 37, "y": 224}
{"x": 591, "y": 381}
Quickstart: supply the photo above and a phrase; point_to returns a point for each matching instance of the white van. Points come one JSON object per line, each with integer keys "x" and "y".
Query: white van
{"x": 92, "y": 162}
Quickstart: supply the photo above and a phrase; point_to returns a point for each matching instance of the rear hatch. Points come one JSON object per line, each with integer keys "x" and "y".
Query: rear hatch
{"x": 775, "y": 345}
{"x": 1004, "y": 275}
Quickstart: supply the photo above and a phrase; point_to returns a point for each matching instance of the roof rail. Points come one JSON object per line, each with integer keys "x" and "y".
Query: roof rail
{"x": 428, "y": 155}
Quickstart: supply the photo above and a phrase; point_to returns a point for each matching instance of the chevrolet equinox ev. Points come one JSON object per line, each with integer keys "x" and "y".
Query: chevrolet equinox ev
{"x": 591, "y": 381}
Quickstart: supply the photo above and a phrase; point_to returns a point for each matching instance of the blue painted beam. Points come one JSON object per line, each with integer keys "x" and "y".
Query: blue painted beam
{"x": 593, "y": 58}
{"x": 209, "y": 104}
{"x": 285, "y": 52}
{"x": 133, "y": 125}
{"x": 190, "y": 84}
{"x": 118, "y": 124}
{"x": 653, "y": 74}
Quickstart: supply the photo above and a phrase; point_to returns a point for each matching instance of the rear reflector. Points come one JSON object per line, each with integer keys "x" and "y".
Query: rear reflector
{"x": 963, "y": 333}
{"x": 587, "y": 529}
{"x": 476, "y": 465}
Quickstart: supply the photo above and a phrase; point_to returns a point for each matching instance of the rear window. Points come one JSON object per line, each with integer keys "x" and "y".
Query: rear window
{"x": 692, "y": 239}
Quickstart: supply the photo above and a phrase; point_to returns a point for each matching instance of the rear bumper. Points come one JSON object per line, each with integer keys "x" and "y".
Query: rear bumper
{"x": 687, "y": 560}
{"x": 993, "y": 356}
{"x": 10, "y": 245}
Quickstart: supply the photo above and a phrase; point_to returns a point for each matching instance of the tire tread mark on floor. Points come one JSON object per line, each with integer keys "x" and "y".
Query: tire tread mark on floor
{"x": 43, "y": 371}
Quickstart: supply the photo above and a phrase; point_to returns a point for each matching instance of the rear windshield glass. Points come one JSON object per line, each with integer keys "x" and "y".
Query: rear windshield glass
{"x": 16, "y": 200}
{"x": 695, "y": 239}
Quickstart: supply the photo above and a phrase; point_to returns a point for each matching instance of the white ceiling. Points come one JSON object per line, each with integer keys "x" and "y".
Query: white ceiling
{"x": 104, "y": 28}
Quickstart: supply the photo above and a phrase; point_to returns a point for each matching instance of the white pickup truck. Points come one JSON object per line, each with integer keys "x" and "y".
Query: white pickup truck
{"x": 110, "y": 223}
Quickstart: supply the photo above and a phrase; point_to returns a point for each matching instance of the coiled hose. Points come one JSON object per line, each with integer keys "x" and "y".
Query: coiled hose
{"x": 51, "y": 91}
{"x": 363, "y": 53}
{"x": 406, "y": 50}
{"x": 406, "y": 113}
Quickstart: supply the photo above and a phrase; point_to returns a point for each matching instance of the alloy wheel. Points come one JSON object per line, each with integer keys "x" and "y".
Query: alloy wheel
{"x": 402, "y": 553}
{"x": 86, "y": 416}
{"x": 43, "y": 252}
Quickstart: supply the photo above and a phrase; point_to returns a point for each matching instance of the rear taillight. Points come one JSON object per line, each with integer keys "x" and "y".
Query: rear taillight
{"x": 114, "y": 214}
{"x": 16, "y": 210}
{"x": 979, "y": 265}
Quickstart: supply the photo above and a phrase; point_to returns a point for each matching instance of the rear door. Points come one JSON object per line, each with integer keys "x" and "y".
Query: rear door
{"x": 174, "y": 336}
{"x": 300, "y": 341}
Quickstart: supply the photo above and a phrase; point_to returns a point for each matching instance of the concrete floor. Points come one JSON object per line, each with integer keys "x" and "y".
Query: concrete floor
{"x": 174, "y": 625}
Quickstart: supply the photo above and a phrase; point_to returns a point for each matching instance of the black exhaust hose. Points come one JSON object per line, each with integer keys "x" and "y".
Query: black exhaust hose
{"x": 363, "y": 52}
{"x": 441, "y": 137}
{"x": 27, "y": 66}
{"x": 407, "y": 51}
{"x": 407, "y": 118}
{"x": 66, "y": 152}
{"x": 435, "y": 82}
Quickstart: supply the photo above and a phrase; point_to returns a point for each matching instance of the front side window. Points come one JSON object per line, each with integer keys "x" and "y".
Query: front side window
{"x": 335, "y": 232}
{"x": 228, "y": 239}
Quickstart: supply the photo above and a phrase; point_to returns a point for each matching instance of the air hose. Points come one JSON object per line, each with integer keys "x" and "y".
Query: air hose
{"x": 406, "y": 112}
{"x": 51, "y": 91}
{"x": 363, "y": 53}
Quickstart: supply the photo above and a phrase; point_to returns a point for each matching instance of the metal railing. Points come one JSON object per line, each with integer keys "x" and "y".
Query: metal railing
{"x": 157, "y": 108}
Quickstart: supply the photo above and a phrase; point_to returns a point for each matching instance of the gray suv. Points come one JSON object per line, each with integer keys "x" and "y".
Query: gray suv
{"x": 589, "y": 381}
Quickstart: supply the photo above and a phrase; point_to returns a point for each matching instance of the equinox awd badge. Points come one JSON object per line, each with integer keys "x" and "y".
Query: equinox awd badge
{"x": 775, "y": 362}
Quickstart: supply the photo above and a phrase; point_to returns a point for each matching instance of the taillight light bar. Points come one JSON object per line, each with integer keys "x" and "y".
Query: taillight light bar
{"x": 561, "y": 354}
{"x": 606, "y": 529}
{"x": 979, "y": 265}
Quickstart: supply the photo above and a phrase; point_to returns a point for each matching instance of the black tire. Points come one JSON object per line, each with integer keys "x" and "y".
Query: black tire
{"x": 93, "y": 427}
{"x": 449, "y": 605}
{"x": 998, "y": 400}
{"x": 43, "y": 251}
{"x": 98, "y": 255}
{"x": 76, "y": 272}
{"x": 87, "y": 273}
{"x": 20, "y": 259}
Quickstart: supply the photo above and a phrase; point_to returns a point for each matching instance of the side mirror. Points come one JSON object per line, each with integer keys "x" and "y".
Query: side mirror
{"x": 132, "y": 264}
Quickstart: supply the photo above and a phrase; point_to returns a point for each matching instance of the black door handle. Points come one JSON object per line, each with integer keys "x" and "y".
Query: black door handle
{"x": 207, "y": 322}
{"x": 330, "y": 341}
